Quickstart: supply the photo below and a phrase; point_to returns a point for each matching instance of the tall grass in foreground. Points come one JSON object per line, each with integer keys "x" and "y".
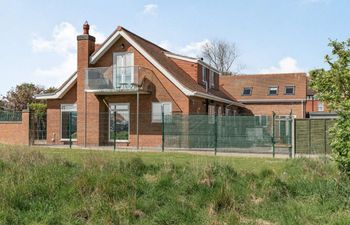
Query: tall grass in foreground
{"x": 37, "y": 189}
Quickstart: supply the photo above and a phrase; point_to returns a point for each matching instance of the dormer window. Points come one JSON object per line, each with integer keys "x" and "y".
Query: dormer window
{"x": 289, "y": 90}
{"x": 204, "y": 74}
{"x": 211, "y": 79}
{"x": 247, "y": 91}
{"x": 273, "y": 90}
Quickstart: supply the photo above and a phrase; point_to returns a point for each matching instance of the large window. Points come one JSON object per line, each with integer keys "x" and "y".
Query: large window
{"x": 68, "y": 121}
{"x": 157, "y": 108}
{"x": 123, "y": 74}
{"x": 119, "y": 121}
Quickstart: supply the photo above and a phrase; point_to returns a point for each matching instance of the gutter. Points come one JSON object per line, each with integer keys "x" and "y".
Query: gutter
{"x": 215, "y": 98}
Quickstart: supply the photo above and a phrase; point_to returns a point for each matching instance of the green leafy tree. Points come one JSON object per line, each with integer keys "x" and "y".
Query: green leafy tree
{"x": 22, "y": 95}
{"x": 332, "y": 86}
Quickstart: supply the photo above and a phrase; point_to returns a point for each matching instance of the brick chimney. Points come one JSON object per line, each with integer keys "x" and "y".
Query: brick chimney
{"x": 86, "y": 46}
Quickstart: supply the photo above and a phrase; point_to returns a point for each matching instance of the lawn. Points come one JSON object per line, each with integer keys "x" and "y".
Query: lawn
{"x": 61, "y": 186}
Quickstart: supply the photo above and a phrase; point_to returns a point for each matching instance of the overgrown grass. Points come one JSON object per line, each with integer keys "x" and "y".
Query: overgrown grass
{"x": 57, "y": 186}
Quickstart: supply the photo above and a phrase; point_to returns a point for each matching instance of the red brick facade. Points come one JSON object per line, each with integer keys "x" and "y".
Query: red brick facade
{"x": 92, "y": 110}
{"x": 16, "y": 133}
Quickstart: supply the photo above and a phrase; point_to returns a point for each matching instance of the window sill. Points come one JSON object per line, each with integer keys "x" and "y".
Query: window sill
{"x": 120, "y": 141}
{"x": 68, "y": 139}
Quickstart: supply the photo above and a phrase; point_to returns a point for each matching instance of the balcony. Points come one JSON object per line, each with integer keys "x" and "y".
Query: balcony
{"x": 118, "y": 80}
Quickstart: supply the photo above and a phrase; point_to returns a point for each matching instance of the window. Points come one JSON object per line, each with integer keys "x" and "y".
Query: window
{"x": 247, "y": 91}
{"x": 204, "y": 74}
{"x": 320, "y": 107}
{"x": 211, "y": 113}
{"x": 227, "y": 111}
{"x": 289, "y": 90}
{"x": 119, "y": 121}
{"x": 157, "y": 108}
{"x": 261, "y": 121}
{"x": 123, "y": 70}
{"x": 211, "y": 79}
{"x": 273, "y": 90}
{"x": 309, "y": 97}
{"x": 68, "y": 121}
{"x": 219, "y": 111}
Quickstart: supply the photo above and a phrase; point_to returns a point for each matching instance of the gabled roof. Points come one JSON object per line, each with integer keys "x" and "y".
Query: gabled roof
{"x": 260, "y": 84}
{"x": 157, "y": 56}
{"x": 62, "y": 90}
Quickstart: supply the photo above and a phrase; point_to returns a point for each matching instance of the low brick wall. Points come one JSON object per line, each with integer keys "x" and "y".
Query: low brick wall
{"x": 15, "y": 132}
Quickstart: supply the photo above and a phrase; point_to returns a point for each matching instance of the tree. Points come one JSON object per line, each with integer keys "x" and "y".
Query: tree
{"x": 332, "y": 86}
{"x": 220, "y": 54}
{"x": 18, "y": 98}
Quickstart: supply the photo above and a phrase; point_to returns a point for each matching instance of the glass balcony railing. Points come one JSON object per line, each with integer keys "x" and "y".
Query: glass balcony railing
{"x": 116, "y": 78}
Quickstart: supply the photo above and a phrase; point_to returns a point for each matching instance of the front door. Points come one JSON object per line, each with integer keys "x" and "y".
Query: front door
{"x": 123, "y": 70}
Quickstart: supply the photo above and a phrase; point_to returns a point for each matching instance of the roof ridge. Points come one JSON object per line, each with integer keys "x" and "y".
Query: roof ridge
{"x": 123, "y": 28}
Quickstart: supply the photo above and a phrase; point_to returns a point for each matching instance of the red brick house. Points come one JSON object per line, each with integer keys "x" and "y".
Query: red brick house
{"x": 317, "y": 109}
{"x": 134, "y": 79}
{"x": 266, "y": 93}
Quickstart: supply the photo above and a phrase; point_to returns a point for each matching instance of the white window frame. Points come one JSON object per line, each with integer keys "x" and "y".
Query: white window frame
{"x": 211, "y": 113}
{"x": 260, "y": 120}
{"x": 272, "y": 87}
{"x": 204, "y": 74}
{"x": 320, "y": 105}
{"x": 115, "y": 55}
{"x": 247, "y": 88}
{"x": 109, "y": 122}
{"x": 289, "y": 86}
{"x": 211, "y": 79}
{"x": 162, "y": 106}
{"x": 66, "y": 110}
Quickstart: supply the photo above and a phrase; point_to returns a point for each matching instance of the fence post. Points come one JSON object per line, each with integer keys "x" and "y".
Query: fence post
{"x": 70, "y": 129}
{"x": 114, "y": 130}
{"x": 325, "y": 136}
{"x": 309, "y": 141}
{"x": 215, "y": 134}
{"x": 290, "y": 122}
{"x": 163, "y": 127}
{"x": 273, "y": 134}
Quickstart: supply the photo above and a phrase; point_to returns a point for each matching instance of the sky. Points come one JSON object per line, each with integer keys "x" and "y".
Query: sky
{"x": 38, "y": 38}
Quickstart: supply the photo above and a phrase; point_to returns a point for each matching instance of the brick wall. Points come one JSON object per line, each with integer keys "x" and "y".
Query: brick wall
{"x": 54, "y": 115}
{"x": 15, "y": 132}
{"x": 298, "y": 109}
{"x": 312, "y": 106}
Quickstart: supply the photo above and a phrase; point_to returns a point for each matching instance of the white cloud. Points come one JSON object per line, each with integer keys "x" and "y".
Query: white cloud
{"x": 193, "y": 49}
{"x": 285, "y": 65}
{"x": 62, "y": 43}
{"x": 150, "y": 9}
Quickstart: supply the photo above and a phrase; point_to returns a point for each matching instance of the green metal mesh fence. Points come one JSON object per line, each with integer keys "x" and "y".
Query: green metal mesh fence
{"x": 221, "y": 133}
{"x": 10, "y": 116}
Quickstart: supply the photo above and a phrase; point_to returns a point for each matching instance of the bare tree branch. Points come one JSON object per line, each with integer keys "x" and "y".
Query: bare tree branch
{"x": 221, "y": 55}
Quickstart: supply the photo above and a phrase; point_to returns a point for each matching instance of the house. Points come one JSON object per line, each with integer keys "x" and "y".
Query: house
{"x": 122, "y": 86}
{"x": 316, "y": 109}
{"x": 282, "y": 93}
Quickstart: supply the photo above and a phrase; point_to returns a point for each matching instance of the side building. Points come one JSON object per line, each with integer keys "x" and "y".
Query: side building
{"x": 263, "y": 94}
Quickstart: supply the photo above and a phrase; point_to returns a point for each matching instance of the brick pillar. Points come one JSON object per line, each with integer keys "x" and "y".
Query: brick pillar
{"x": 87, "y": 103}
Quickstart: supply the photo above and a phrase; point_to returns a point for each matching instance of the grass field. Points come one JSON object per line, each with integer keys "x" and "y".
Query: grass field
{"x": 61, "y": 186}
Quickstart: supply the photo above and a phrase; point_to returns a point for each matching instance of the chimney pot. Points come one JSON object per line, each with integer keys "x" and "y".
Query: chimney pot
{"x": 86, "y": 27}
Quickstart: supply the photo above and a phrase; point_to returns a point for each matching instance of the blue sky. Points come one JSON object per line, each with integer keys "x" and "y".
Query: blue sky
{"x": 39, "y": 45}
